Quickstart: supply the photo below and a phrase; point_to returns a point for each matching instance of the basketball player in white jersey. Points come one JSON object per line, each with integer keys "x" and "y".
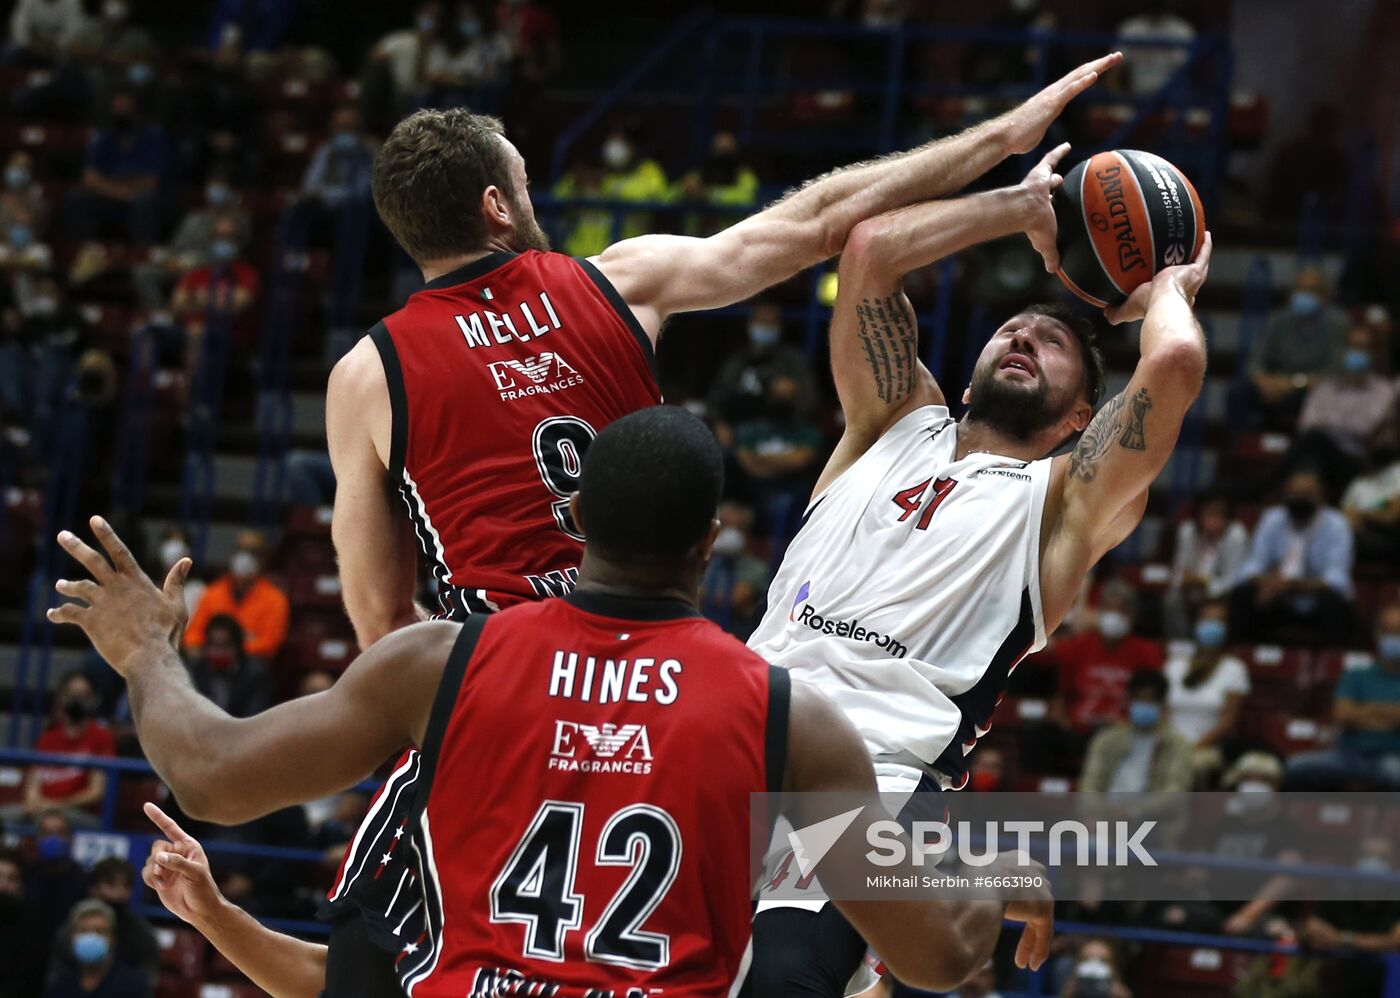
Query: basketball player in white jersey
{"x": 935, "y": 553}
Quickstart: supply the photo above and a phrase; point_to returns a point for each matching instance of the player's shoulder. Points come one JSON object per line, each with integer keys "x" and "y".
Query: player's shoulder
{"x": 360, "y": 371}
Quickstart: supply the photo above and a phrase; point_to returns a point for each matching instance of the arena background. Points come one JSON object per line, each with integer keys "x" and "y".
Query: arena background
{"x": 163, "y": 356}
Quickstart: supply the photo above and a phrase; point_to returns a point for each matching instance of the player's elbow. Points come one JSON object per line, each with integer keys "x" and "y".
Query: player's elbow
{"x": 1181, "y": 361}
{"x": 871, "y": 247}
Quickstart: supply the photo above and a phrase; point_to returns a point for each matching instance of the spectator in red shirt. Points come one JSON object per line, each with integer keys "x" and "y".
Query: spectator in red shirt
{"x": 533, "y": 35}
{"x": 224, "y": 290}
{"x": 73, "y": 730}
{"x": 1094, "y": 666}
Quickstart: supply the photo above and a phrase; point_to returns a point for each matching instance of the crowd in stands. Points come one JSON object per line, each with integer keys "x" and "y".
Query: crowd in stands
{"x": 172, "y": 209}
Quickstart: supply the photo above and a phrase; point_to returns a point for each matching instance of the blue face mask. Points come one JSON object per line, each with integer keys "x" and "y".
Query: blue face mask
{"x": 1144, "y": 716}
{"x": 1388, "y": 646}
{"x": 218, "y": 194}
{"x": 345, "y": 140}
{"x": 90, "y": 948}
{"x": 140, "y": 73}
{"x": 1210, "y": 632}
{"x": 763, "y": 335}
{"x": 20, "y": 236}
{"x": 16, "y": 176}
{"x": 426, "y": 22}
{"x": 1304, "y": 302}
{"x": 53, "y": 847}
{"x": 469, "y": 29}
{"x": 223, "y": 250}
{"x": 1356, "y": 360}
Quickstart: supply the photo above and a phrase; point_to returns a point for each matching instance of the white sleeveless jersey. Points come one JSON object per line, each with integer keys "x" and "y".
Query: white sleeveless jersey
{"x": 913, "y": 590}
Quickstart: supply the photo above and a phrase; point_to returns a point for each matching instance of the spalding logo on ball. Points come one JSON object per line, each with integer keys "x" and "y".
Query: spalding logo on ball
{"x": 1123, "y": 216}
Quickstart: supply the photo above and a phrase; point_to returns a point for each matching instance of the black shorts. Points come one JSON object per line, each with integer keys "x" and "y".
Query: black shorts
{"x": 355, "y": 966}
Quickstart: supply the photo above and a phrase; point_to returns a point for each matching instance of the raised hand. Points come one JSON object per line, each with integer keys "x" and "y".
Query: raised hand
{"x": 178, "y": 871}
{"x": 120, "y": 609}
{"x": 1039, "y": 187}
{"x": 1185, "y": 279}
{"x": 1027, "y": 124}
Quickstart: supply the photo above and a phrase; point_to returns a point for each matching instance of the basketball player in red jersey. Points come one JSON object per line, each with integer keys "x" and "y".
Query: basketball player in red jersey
{"x": 553, "y": 865}
{"x": 476, "y": 401}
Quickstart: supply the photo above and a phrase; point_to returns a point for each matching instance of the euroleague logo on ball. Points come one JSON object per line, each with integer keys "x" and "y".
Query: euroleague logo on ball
{"x": 1174, "y": 254}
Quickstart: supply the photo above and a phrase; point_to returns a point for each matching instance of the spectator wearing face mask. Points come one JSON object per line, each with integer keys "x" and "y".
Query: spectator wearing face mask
{"x": 174, "y": 545}
{"x": 1142, "y": 753}
{"x": 1300, "y": 344}
{"x": 723, "y": 181}
{"x": 115, "y": 50}
{"x": 134, "y": 941}
{"x": 91, "y": 936}
{"x": 246, "y": 594}
{"x": 1094, "y": 666}
{"x": 193, "y": 242}
{"x": 337, "y": 179}
{"x": 1366, "y": 711}
{"x": 21, "y": 948}
{"x": 621, "y": 173}
{"x": 402, "y": 56}
{"x": 224, "y": 673}
{"x": 735, "y": 579}
{"x": 1346, "y": 928}
{"x": 54, "y": 882}
{"x": 1094, "y": 973}
{"x": 1206, "y": 687}
{"x": 21, "y": 196}
{"x": 219, "y": 294}
{"x": 73, "y": 730}
{"x": 988, "y": 770}
{"x": 1298, "y": 573}
{"x": 739, "y": 389}
{"x": 465, "y": 57}
{"x": 120, "y": 188}
{"x": 1342, "y": 412}
{"x": 1211, "y": 547}
{"x": 778, "y": 453}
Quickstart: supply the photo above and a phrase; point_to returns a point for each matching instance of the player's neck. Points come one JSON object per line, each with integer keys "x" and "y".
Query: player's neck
{"x": 598, "y": 575}
{"x": 433, "y": 269}
{"x": 976, "y": 437}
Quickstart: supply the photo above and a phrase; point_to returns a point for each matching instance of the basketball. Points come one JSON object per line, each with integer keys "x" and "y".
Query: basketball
{"x": 1123, "y": 215}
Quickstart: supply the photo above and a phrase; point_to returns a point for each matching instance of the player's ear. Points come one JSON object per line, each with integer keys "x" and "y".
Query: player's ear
{"x": 967, "y": 395}
{"x": 576, "y": 513}
{"x": 1079, "y": 417}
{"x": 707, "y": 543}
{"x": 495, "y": 206}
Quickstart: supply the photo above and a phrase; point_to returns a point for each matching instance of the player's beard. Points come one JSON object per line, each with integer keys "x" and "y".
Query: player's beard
{"x": 528, "y": 234}
{"x": 1021, "y": 412}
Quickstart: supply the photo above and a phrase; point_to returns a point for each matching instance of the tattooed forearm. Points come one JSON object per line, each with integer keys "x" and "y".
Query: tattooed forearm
{"x": 890, "y": 338}
{"x": 1122, "y": 419}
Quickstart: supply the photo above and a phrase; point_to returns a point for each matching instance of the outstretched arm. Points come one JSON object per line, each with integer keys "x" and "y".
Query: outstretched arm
{"x": 660, "y": 275}
{"x": 178, "y": 871}
{"x": 1107, "y": 475}
{"x": 233, "y": 770}
{"x": 374, "y": 541}
{"x": 874, "y": 338}
{"x": 928, "y": 943}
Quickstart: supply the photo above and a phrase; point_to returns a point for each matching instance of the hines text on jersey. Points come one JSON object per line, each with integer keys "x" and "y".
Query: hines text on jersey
{"x": 850, "y": 629}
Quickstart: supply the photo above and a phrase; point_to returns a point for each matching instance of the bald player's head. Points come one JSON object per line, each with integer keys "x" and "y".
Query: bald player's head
{"x": 649, "y": 490}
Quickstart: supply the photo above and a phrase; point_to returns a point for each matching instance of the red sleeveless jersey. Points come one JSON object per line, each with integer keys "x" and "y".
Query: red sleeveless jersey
{"x": 582, "y": 819}
{"x": 500, "y": 374}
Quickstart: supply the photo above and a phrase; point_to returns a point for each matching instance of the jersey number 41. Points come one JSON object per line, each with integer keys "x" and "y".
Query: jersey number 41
{"x": 912, "y": 499}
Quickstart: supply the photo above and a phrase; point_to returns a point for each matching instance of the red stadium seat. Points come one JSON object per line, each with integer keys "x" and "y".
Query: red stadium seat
{"x": 1201, "y": 971}
{"x": 182, "y": 951}
{"x": 172, "y": 985}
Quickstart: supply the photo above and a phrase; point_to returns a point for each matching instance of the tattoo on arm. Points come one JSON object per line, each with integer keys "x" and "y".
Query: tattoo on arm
{"x": 1122, "y": 419}
{"x": 890, "y": 338}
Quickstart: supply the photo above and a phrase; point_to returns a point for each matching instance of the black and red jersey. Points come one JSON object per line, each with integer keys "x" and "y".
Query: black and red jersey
{"x": 582, "y": 815}
{"x": 500, "y": 374}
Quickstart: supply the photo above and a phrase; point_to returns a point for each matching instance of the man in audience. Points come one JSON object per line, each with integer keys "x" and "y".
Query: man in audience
{"x": 1366, "y": 709}
{"x": 736, "y": 579}
{"x": 246, "y": 594}
{"x": 134, "y": 941}
{"x": 219, "y": 293}
{"x": 194, "y": 240}
{"x": 723, "y": 181}
{"x": 120, "y": 189}
{"x": 21, "y": 948}
{"x": 1358, "y": 926}
{"x": 402, "y": 56}
{"x": 74, "y": 729}
{"x": 1342, "y": 412}
{"x": 1095, "y": 666}
{"x": 54, "y": 882}
{"x": 778, "y": 453}
{"x": 1095, "y": 972}
{"x": 338, "y": 177}
{"x": 1299, "y": 345}
{"x": 1143, "y": 753}
{"x": 1298, "y": 574}
{"x": 223, "y": 671}
{"x": 91, "y": 936}
{"x": 739, "y": 390}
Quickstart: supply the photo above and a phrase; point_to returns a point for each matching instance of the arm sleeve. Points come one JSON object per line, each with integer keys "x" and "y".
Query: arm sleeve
{"x": 1257, "y": 563}
{"x": 1336, "y": 570}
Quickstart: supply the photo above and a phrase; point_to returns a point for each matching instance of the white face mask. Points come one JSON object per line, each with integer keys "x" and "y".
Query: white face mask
{"x": 616, "y": 153}
{"x": 172, "y": 551}
{"x": 243, "y": 565}
{"x": 729, "y": 540}
{"x": 1113, "y": 624}
{"x": 1093, "y": 969}
{"x": 1254, "y": 787}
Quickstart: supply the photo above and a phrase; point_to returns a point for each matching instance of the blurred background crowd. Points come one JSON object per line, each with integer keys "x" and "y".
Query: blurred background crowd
{"x": 187, "y": 244}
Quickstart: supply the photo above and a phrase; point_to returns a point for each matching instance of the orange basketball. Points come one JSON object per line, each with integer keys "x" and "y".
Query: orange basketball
{"x": 1124, "y": 215}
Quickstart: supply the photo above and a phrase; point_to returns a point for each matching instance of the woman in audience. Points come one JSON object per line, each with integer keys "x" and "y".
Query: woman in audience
{"x": 1210, "y": 548}
{"x": 1206, "y": 687}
